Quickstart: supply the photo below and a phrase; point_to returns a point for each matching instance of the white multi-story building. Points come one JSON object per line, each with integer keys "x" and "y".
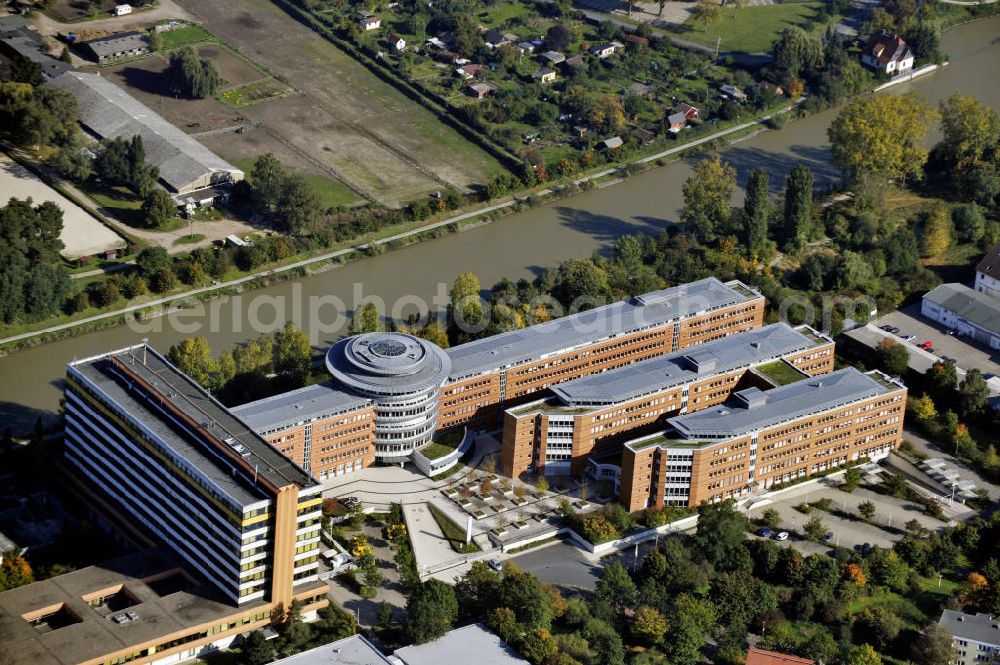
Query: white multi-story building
{"x": 988, "y": 273}
{"x": 175, "y": 461}
{"x": 967, "y": 311}
{"x": 976, "y": 637}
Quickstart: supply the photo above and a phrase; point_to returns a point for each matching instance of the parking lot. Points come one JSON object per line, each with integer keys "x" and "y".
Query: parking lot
{"x": 966, "y": 353}
{"x": 850, "y": 533}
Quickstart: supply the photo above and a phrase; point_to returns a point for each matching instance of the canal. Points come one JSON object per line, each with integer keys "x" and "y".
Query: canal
{"x": 520, "y": 245}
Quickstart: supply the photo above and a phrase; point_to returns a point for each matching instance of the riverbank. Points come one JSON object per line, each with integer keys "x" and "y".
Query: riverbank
{"x": 527, "y": 197}
{"x": 529, "y": 240}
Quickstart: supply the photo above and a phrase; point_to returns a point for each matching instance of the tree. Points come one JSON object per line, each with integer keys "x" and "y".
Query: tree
{"x": 366, "y": 319}
{"x": 690, "y": 622}
{"x": 798, "y": 206}
{"x": 430, "y": 611}
{"x": 893, "y": 357}
{"x": 795, "y": 50}
{"x": 648, "y": 625}
{"x": 477, "y": 590}
{"x": 882, "y": 134}
{"x": 852, "y": 478}
{"x": 292, "y": 355}
{"x": 537, "y": 646}
{"x": 707, "y": 197}
{"x": 193, "y": 356}
{"x": 615, "y": 588}
{"x": 771, "y": 518}
{"x": 970, "y": 130}
{"x": 580, "y": 284}
{"x": 298, "y": 205}
{"x": 605, "y": 642}
{"x": 542, "y": 484}
{"x": 15, "y": 571}
{"x": 158, "y": 208}
{"x": 934, "y": 646}
{"x": 523, "y": 593}
{"x": 720, "y": 531}
{"x": 814, "y": 528}
{"x": 153, "y": 260}
{"x": 757, "y": 211}
{"x": 877, "y": 626}
{"x": 39, "y": 116}
{"x": 866, "y": 509}
{"x": 191, "y": 75}
{"x": 973, "y": 393}
{"x": 256, "y": 650}
{"x": 863, "y": 655}
{"x": 706, "y": 13}
{"x": 557, "y": 38}
{"x": 937, "y": 231}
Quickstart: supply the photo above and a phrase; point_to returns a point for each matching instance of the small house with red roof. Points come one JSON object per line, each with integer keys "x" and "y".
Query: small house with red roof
{"x": 887, "y": 52}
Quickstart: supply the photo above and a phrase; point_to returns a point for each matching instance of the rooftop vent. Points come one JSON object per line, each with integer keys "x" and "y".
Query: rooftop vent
{"x": 751, "y": 398}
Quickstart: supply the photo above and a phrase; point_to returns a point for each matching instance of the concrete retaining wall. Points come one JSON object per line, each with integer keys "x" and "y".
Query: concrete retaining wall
{"x": 430, "y": 467}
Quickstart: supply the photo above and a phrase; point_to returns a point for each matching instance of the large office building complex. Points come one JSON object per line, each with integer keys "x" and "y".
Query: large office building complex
{"x": 588, "y": 419}
{"x": 975, "y": 637}
{"x": 397, "y": 390}
{"x": 760, "y": 438}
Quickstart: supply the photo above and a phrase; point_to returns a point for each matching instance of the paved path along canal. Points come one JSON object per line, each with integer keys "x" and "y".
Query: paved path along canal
{"x": 521, "y": 245}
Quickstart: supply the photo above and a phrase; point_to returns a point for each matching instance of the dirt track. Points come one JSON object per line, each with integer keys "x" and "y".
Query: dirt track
{"x": 347, "y": 119}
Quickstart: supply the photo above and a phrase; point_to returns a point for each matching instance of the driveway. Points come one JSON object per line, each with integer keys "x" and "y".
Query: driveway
{"x": 967, "y": 353}
{"x": 164, "y": 9}
{"x": 929, "y": 448}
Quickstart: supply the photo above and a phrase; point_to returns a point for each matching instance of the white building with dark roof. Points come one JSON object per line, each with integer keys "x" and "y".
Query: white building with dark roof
{"x": 976, "y": 637}
{"x": 988, "y": 273}
{"x": 118, "y": 47}
{"x": 888, "y": 53}
{"x": 965, "y": 311}
{"x": 106, "y": 111}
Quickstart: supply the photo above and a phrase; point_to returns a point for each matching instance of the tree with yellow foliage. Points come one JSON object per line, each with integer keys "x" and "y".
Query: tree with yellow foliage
{"x": 970, "y": 129}
{"x": 882, "y": 134}
{"x": 360, "y": 547}
{"x": 923, "y": 408}
{"x": 937, "y": 232}
{"x": 15, "y": 571}
{"x": 649, "y": 625}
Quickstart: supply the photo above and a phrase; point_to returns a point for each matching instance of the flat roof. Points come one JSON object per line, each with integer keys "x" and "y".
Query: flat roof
{"x": 353, "y": 650}
{"x": 96, "y": 634}
{"x": 220, "y": 430}
{"x": 313, "y": 402}
{"x": 744, "y": 349}
{"x": 461, "y": 646}
{"x": 782, "y": 404}
{"x": 977, "y": 627}
{"x": 583, "y": 329}
{"x": 977, "y": 308}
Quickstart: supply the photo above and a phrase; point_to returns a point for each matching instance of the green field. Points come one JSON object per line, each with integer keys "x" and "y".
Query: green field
{"x": 454, "y": 534}
{"x": 193, "y": 34}
{"x": 751, "y": 29}
{"x": 331, "y": 193}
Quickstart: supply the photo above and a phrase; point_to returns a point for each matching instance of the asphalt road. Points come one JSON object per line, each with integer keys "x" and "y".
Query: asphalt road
{"x": 561, "y": 564}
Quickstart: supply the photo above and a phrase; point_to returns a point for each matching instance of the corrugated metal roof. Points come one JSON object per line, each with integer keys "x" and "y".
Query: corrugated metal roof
{"x": 109, "y": 112}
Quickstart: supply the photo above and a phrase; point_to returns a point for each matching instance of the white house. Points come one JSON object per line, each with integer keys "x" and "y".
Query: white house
{"x": 397, "y": 43}
{"x": 976, "y": 637}
{"x": 887, "y": 52}
{"x": 988, "y": 273}
{"x": 370, "y": 22}
{"x": 966, "y": 311}
{"x": 122, "y": 10}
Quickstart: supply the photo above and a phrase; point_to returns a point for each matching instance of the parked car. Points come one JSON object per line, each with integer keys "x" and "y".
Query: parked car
{"x": 828, "y": 538}
{"x": 908, "y": 338}
{"x": 783, "y": 535}
{"x": 350, "y": 502}
{"x": 891, "y": 329}
{"x": 496, "y": 565}
{"x": 927, "y": 346}
{"x": 764, "y": 533}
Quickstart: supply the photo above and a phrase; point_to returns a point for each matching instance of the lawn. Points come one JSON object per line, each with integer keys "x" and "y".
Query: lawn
{"x": 331, "y": 193}
{"x": 123, "y": 205}
{"x": 780, "y": 372}
{"x": 192, "y": 34}
{"x": 452, "y": 532}
{"x": 254, "y": 93}
{"x": 752, "y": 29}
